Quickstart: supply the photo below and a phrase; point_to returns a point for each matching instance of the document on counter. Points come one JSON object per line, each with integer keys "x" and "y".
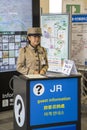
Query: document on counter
{"x": 35, "y": 76}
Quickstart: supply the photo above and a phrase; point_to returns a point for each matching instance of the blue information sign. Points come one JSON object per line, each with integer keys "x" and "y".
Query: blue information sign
{"x": 53, "y": 101}
{"x": 79, "y": 18}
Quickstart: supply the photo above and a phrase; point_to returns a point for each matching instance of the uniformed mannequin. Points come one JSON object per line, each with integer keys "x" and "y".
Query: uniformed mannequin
{"x": 32, "y": 59}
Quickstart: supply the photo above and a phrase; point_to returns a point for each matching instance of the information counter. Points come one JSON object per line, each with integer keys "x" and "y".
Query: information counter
{"x": 50, "y": 102}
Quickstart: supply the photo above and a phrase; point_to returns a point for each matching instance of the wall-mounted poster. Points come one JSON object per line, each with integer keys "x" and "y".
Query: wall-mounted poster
{"x": 16, "y": 16}
{"x": 79, "y": 39}
{"x": 55, "y": 38}
{"x": 15, "y": 19}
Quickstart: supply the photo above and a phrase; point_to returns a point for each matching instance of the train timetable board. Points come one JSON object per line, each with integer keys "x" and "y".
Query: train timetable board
{"x": 79, "y": 38}
{"x": 55, "y": 38}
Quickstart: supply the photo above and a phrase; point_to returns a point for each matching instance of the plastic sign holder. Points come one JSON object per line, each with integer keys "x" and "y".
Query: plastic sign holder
{"x": 69, "y": 67}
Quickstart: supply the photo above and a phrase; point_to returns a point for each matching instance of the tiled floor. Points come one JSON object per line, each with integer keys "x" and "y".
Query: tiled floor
{"x": 6, "y": 120}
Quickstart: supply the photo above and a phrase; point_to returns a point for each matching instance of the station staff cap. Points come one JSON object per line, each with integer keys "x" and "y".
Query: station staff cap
{"x": 34, "y": 31}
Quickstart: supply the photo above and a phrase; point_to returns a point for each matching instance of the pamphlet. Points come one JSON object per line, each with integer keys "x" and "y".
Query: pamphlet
{"x": 34, "y": 76}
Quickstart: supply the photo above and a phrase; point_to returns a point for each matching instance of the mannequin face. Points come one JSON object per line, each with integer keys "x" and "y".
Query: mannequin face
{"x": 34, "y": 40}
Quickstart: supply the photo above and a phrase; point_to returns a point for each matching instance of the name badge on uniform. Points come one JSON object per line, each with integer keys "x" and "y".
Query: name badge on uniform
{"x": 43, "y": 61}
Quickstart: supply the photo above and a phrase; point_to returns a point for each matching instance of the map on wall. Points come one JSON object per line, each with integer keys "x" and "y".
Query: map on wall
{"x": 15, "y": 15}
{"x": 55, "y": 38}
{"x": 79, "y": 38}
{"x": 15, "y": 19}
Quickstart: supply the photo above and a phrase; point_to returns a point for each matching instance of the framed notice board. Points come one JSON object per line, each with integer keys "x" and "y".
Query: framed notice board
{"x": 55, "y": 38}
{"x": 79, "y": 39}
{"x": 14, "y": 23}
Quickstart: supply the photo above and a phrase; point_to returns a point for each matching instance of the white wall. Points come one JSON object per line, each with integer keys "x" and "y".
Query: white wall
{"x": 55, "y": 6}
